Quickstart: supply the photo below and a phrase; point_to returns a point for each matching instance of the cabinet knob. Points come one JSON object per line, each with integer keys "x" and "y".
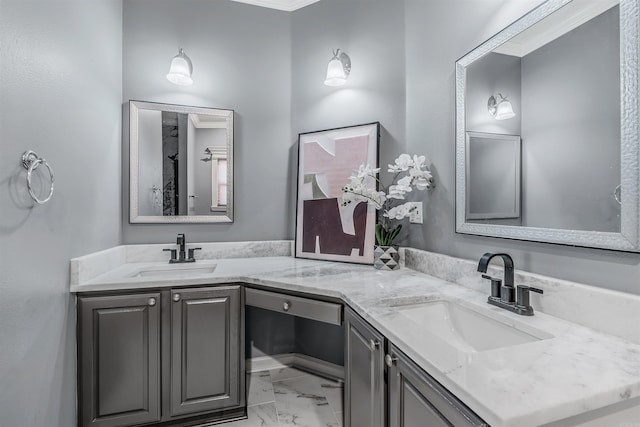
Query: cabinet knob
{"x": 176, "y": 297}
{"x": 374, "y": 344}
{"x": 152, "y": 302}
{"x": 286, "y": 306}
{"x": 390, "y": 361}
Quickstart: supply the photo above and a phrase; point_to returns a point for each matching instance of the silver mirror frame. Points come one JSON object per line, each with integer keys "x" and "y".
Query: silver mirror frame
{"x": 134, "y": 216}
{"x": 629, "y": 237}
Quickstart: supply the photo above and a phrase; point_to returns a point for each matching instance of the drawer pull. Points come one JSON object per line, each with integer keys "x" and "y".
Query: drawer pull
{"x": 286, "y": 306}
{"x": 176, "y": 297}
{"x": 152, "y": 302}
{"x": 390, "y": 361}
{"x": 374, "y": 344}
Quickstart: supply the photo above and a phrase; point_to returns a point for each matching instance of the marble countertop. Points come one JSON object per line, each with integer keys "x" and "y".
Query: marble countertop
{"x": 575, "y": 370}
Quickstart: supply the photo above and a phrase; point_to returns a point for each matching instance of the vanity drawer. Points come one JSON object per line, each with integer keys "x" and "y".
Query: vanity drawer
{"x": 296, "y": 306}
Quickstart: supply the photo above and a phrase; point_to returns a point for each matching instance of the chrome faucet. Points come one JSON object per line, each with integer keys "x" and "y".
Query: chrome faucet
{"x": 181, "y": 242}
{"x": 503, "y": 296}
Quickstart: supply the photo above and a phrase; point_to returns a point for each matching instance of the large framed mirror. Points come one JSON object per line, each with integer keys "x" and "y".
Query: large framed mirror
{"x": 181, "y": 164}
{"x": 563, "y": 81}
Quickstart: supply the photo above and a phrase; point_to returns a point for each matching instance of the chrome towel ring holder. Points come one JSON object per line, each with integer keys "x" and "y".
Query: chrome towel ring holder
{"x": 31, "y": 161}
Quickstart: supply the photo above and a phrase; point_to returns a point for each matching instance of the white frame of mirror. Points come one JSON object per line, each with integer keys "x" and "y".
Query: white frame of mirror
{"x": 628, "y": 239}
{"x": 134, "y": 213}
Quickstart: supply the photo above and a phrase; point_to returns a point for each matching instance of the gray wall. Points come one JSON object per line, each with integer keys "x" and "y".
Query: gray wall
{"x": 437, "y": 34}
{"x": 60, "y": 95}
{"x": 371, "y": 33}
{"x": 571, "y": 131}
{"x": 242, "y": 61}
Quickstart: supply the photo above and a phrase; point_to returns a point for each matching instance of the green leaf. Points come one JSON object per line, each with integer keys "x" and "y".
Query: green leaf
{"x": 380, "y": 234}
{"x": 394, "y": 233}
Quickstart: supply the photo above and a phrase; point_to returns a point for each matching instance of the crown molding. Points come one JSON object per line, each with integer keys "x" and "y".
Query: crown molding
{"x": 285, "y": 5}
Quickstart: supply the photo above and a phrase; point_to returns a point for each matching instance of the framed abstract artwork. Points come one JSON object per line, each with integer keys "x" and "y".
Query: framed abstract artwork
{"x": 325, "y": 229}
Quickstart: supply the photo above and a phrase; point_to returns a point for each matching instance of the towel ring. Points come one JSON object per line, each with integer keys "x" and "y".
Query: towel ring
{"x": 31, "y": 161}
{"x": 617, "y": 194}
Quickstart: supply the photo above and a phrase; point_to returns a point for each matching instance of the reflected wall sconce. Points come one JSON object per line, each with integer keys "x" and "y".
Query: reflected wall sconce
{"x": 500, "y": 110}
{"x": 181, "y": 69}
{"x": 338, "y": 69}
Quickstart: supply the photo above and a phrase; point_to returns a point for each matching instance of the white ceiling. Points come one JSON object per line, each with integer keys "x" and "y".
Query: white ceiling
{"x": 287, "y": 5}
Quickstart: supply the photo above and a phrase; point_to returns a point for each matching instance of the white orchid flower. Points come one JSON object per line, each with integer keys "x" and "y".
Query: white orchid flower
{"x": 421, "y": 179}
{"x": 422, "y": 183}
{"x": 419, "y": 162}
{"x": 366, "y": 171}
{"x": 402, "y": 163}
{"x": 399, "y": 212}
{"x": 412, "y": 171}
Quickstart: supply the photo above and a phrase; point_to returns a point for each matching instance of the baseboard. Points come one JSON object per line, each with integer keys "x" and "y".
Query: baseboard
{"x": 297, "y": 360}
{"x": 267, "y": 363}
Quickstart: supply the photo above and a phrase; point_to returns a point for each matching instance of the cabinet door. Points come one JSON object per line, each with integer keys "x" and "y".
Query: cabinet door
{"x": 364, "y": 392}
{"x": 416, "y": 399}
{"x": 119, "y": 360}
{"x": 207, "y": 356}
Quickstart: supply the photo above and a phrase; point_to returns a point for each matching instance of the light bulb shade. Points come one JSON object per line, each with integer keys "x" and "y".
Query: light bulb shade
{"x": 500, "y": 110}
{"x": 505, "y": 110}
{"x": 338, "y": 69}
{"x": 180, "y": 70}
{"x": 335, "y": 73}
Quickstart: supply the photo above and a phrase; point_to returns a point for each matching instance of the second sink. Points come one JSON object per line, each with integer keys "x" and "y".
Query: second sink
{"x": 467, "y": 329}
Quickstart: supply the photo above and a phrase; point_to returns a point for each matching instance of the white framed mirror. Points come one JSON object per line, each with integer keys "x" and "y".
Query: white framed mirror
{"x": 564, "y": 77}
{"x": 181, "y": 164}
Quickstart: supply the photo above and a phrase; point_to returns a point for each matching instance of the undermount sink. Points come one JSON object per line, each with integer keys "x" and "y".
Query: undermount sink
{"x": 176, "y": 271}
{"x": 467, "y": 329}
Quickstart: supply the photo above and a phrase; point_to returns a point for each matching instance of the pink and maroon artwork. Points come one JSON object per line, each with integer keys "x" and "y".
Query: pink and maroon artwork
{"x": 325, "y": 229}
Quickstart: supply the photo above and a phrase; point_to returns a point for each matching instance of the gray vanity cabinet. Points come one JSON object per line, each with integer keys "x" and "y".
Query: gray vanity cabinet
{"x": 161, "y": 357}
{"x": 405, "y": 397}
{"x": 119, "y": 360}
{"x": 364, "y": 392}
{"x": 206, "y": 363}
{"x": 416, "y": 399}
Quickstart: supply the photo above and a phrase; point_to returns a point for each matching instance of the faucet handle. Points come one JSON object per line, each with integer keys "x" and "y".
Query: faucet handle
{"x": 496, "y": 284}
{"x": 522, "y": 295}
{"x": 191, "y": 251}
{"x": 174, "y": 253}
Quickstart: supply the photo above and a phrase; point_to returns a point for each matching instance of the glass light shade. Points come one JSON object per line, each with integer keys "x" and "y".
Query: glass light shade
{"x": 335, "y": 73}
{"x": 180, "y": 70}
{"x": 505, "y": 110}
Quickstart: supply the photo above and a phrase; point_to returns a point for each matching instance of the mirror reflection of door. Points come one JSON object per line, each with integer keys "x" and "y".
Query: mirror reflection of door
{"x": 208, "y": 153}
{"x": 493, "y": 177}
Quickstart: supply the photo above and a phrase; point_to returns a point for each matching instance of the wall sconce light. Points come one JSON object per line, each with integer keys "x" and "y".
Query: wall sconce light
{"x": 181, "y": 69}
{"x": 501, "y": 110}
{"x": 338, "y": 69}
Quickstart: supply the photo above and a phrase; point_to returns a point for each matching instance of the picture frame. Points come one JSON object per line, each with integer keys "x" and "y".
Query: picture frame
{"x": 325, "y": 229}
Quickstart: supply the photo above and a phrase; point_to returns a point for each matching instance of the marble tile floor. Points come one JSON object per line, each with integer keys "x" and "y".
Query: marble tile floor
{"x": 290, "y": 397}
